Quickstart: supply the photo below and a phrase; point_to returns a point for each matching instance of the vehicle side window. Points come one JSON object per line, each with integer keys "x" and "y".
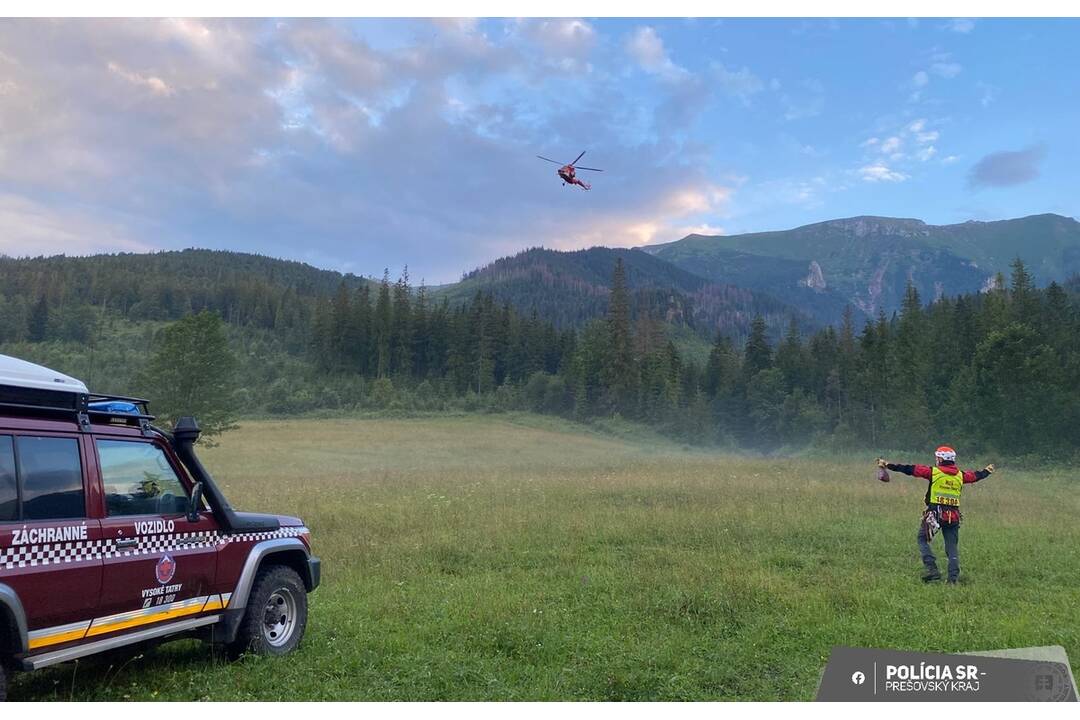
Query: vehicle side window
{"x": 138, "y": 480}
{"x": 9, "y": 489}
{"x": 51, "y": 474}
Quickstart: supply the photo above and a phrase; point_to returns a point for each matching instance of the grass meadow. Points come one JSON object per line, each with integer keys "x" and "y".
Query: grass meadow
{"x": 526, "y": 558}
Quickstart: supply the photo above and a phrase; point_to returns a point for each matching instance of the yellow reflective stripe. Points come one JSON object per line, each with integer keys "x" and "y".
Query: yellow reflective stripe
{"x": 214, "y": 603}
{"x": 112, "y": 623}
{"x": 122, "y": 621}
{"x": 58, "y": 634}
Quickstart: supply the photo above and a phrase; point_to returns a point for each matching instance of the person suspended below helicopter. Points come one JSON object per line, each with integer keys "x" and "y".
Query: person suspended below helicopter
{"x": 568, "y": 172}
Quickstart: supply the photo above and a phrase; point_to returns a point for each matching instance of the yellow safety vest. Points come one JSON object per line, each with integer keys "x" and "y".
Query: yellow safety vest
{"x": 945, "y": 488}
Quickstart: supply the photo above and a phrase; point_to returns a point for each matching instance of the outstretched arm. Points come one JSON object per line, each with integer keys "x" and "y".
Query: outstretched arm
{"x": 920, "y": 471}
{"x": 973, "y": 476}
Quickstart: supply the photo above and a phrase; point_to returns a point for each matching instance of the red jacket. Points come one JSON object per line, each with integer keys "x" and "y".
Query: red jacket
{"x": 926, "y": 472}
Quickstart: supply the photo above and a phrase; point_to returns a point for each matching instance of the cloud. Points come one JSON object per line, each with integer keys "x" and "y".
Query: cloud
{"x": 1007, "y": 168}
{"x": 703, "y": 229}
{"x": 911, "y": 142}
{"x": 333, "y": 143}
{"x": 879, "y": 172}
{"x": 803, "y": 193}
{"x": 29, "y": 228}
{"x": 795, "y": 145}
{"x": 154, "y": 84}
{"x": 946, "y": 69}
{"x": 660, "y": 217}
{"x": 564, "y": 44}
{"x": 684, "y": 94}
{"x": 987, "y": 93}
{"x": 647, "y": 48}
{"x": 890, "y": 145}
{"x": 926, "y": 153}
{"x": 741, "y": 83}
{"x": 960, "y": 25}
{"x": 940, "y": 65}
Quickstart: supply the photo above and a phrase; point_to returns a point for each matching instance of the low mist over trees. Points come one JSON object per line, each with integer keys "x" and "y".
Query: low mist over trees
{"x": 994, "y": 371}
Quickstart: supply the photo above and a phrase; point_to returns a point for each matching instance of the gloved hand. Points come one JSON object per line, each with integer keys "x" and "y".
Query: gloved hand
{"x": 881, "y": 463}
{"x": 989, "y": 469}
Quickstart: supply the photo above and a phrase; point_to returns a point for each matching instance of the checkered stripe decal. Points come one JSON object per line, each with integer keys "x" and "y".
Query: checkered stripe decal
{"x": 259, "y": 536}
{"x": 49, "y": 553}
{"x": 22, "y": 556}
{"x": 152, "y": 544}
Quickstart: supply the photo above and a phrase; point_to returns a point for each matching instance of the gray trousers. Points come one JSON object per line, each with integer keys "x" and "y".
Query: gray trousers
{"x": 951, "y": 535}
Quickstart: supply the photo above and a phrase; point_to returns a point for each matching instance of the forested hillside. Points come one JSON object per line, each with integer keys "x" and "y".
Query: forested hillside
{"x": 995, "y": 371}
{"x": 571, "y": 288}
{"x": 58, "y": 298}
{"x": 867, "y": 262}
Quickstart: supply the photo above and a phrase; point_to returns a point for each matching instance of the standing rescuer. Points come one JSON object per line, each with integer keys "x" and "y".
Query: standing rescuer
{"x": 946, "y": 481}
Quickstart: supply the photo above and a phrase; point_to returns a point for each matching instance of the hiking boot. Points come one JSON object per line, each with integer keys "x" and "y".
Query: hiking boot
{"x": 931, "y": 577}
{"x": 951, "y": 581}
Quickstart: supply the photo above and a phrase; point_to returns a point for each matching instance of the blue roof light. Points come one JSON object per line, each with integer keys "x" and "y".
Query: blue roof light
{"x": 114, "y": 407}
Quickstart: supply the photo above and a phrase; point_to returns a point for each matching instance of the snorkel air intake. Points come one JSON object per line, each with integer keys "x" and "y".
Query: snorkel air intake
{"x": 184, "y": 435}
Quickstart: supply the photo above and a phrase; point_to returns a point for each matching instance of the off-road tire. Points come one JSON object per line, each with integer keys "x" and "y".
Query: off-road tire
{"x": 3, "y": 682}
{"x": 276, "y": 614}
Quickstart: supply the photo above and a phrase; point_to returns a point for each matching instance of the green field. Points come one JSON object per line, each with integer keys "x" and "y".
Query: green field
{"x": 526, "y": 558}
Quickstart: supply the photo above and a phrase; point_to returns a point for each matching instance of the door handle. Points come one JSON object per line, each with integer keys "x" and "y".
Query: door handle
{"x": 127, "y": 542}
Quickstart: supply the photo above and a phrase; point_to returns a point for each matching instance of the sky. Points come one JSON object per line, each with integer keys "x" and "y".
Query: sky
{"x": 358, "y": 145}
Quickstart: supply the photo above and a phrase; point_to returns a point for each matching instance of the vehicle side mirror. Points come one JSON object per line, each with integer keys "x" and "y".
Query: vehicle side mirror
{"x": 195, "y": 504}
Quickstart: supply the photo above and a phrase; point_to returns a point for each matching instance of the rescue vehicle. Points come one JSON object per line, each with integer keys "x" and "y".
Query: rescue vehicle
{"x": 113, "y": 533}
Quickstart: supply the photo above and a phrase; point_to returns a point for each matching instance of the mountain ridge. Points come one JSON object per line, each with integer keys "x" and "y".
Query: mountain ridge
{"x": 867, "y": 260}
{"x": 570, "y": 287}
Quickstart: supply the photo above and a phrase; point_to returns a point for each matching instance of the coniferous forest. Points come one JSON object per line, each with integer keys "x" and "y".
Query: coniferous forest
{"x": 997, "y": 371}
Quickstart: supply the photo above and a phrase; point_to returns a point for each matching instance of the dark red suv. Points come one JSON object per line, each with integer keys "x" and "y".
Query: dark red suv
{"x": 113, "y": 533}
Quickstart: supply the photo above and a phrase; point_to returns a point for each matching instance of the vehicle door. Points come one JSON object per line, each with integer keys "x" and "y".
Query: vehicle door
{"x": 48, "y": 542}
{"x": 158, "y": 564}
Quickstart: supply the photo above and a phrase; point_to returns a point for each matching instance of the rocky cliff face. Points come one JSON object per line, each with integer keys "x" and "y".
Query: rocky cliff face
{"x": 816, "y": 279}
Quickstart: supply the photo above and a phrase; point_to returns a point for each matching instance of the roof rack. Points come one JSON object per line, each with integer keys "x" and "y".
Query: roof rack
{"x": 30, "y": 389}
{"x": 78, "y": 407}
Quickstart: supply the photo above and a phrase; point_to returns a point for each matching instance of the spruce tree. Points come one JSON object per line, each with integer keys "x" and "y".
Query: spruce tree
{"x": 907, "y": 414}
{"x": 758, "y": 353}
{"x": 401, "y": 332}
{"x": 790, "y": 358}
{"x": 621, "y": 372}
{"x": 38, "y": 325}
{"x": 341, "y": 316}
{"x": 360, "y": 330}
{"x": 721, "y": 368}
{"x": 382, "y": 327}
{"x": 1022, "y": 297}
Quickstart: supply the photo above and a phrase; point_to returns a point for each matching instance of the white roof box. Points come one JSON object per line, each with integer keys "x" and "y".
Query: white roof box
{"x": 20, "y": 373}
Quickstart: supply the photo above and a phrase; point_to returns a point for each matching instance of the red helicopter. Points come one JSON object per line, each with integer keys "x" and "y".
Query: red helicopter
{"x": 566, "y": 172}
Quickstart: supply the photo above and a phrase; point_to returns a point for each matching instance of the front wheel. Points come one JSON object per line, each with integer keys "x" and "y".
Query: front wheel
{"x": 3, "y": 682}
{"x": 276, "y": 614}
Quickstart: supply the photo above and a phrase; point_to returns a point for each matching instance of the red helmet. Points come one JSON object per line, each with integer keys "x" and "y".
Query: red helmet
{"x": 945, "y": 453}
